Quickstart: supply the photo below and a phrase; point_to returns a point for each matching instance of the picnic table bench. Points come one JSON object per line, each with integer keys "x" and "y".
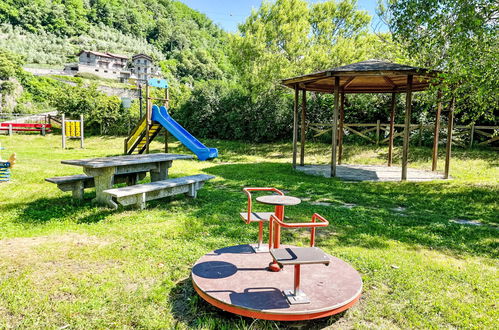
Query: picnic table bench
{"x": 138, "y": 194}
{"x": 104, "y": 172}
{"x": 77, "y": 183}
{"x": 26, "y": 127}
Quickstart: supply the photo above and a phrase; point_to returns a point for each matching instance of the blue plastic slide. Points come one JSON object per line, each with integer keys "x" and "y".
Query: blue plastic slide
{"x": 162, "y": 116}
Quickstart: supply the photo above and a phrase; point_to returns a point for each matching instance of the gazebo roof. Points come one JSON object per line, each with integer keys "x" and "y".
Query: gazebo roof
{"x": 371, "y": 76}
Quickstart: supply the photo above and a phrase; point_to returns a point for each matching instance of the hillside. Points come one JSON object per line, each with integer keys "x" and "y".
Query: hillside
{"x": 47, "y": 48}
{"x": 228, "y": 85}
{"x": 187, "y": 45}
{"x": 51, "y": 32}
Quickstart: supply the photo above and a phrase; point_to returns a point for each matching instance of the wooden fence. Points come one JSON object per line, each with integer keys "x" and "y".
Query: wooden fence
{"x": 23, "y": 118}
{"x": 461, "y": 133}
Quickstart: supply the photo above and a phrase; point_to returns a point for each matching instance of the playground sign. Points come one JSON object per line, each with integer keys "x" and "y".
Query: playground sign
{"x": 72, "y": 129}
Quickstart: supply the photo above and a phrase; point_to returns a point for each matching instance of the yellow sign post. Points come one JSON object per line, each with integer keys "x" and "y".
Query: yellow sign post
{"x": 72, "y": 129}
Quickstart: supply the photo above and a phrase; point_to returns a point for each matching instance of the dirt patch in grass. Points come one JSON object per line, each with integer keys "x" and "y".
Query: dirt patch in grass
{"x": 20, "y": 247}
{"x": 46, "y": 257}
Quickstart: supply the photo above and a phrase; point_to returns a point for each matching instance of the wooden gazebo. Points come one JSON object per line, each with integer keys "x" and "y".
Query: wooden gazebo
{"x": 372, "y": 76}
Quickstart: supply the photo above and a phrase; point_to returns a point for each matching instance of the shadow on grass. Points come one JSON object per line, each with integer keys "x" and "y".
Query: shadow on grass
{"x": 373, "y": 219}
{"x": 192, "y": 311}
{"x": 237, "y": 151}
{"x": 424, "y": 154}
{"x": 60, "y": 209}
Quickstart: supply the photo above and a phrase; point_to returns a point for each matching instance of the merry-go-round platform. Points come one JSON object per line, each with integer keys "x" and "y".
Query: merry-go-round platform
{"x": 236, "y": 279}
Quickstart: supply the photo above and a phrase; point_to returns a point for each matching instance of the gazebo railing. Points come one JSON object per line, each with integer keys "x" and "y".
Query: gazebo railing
{"x": 382, "y": 132}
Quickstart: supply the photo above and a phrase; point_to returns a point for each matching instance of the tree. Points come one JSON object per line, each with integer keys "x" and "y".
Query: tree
{"x": 459, "y": 37}
{"x": 292, "y": 37}
{"x": 101, "y": 112}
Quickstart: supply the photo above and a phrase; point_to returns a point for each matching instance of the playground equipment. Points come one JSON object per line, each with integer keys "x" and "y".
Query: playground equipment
{"x": 299, "y": 255}
{"x": 5, "y": 166}
{"x": 260, "y": 217}
{"x": 157, "y": 118}
{"x": 72, "y": 129}
{"x": 26, "y": 127}
{"x": 236, "y": 278}
{"x": 160, "y": 115}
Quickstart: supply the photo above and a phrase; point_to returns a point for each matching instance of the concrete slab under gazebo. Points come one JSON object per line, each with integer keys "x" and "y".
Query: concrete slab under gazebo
{"x": 372, "y": 76}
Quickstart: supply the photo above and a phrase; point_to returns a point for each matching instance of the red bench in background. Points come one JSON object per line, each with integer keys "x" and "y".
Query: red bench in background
{"x": 26, "y": 127}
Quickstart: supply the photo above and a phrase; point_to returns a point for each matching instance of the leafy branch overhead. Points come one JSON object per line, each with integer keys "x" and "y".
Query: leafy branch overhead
{"x": 461, "y": 38}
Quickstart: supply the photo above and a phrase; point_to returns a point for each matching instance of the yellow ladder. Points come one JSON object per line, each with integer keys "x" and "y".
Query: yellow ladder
{"x": 153, "y": 131}
{"x": 137, "y": 140}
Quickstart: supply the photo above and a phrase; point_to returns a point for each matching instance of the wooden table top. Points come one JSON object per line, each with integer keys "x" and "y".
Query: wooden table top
{"x": 125, "y": 160}
{"x": 278, "y": 200}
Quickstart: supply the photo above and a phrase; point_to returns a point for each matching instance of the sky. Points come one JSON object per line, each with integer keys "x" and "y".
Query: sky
{"x": 229, "y": 13}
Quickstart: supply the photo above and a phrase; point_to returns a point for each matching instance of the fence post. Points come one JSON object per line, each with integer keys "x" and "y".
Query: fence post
{"x": 377, "y": 131}
{"x": 63, "y": 129}
{"x": 82, "y": 136}
{"x": 420, "y": 137}
{"x": 471, "y": 135}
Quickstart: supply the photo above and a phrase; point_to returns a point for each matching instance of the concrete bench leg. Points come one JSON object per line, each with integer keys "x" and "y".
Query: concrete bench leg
{"x": 193, "y": 190}
{"x": 161, "y": 173}
{"x": 78, "y": 190}
{"x": 104, "y": 179}
{"x": 141, "y": 201}
{"x": 131, "y": 180}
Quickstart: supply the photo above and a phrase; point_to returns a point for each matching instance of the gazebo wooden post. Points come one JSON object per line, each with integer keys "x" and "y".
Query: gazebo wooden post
{"x": 436, "y": 132}
{"x": 335, "y": 125}
{"x": 392, "y": 128}
{"x": 302, "y": 133}
{"x": 295, "y": 126}
{"x": 449, "y": 137}
{"x": 340, "y": 131}
{"x": 407, "y": 126}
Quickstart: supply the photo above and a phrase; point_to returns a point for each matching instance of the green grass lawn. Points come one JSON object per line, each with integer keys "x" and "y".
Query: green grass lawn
{"x": 78, "y": 266}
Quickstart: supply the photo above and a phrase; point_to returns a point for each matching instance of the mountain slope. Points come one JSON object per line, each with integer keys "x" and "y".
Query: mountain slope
{"x": 51, "y": 31}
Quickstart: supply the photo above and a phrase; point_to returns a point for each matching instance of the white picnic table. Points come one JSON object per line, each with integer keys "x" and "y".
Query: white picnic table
{"x": 104, "y": 169}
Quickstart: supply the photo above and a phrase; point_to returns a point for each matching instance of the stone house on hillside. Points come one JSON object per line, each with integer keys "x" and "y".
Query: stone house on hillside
{"x": 113, "y": 66}
{"x": 143, "y": 67}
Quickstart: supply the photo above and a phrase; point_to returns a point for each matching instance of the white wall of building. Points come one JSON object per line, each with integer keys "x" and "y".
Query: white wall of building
{"x": 113, "y": 67}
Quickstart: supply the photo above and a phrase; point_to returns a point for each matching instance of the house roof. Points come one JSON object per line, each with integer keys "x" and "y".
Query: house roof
{"x": 107, "y": 54}
{"x": 142, "y": 55}
{"x": 118, "y": 56}
{"x": 371, "y": 76}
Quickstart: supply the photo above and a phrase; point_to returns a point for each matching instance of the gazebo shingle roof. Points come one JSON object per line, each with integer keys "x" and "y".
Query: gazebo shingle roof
{"x": 375, "y": 65}
{"x": 371, "y": 76}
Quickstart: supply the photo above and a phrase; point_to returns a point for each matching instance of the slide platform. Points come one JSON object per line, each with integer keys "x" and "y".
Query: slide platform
{"x": 161, "y": 116}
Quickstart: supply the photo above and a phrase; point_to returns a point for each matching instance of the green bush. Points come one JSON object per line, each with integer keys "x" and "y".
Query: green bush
{"x": 10, "y": 64}
{"x": 103, "y": 114}
{"x": 7, "y": 87}
{"x": 222, "y": 109}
